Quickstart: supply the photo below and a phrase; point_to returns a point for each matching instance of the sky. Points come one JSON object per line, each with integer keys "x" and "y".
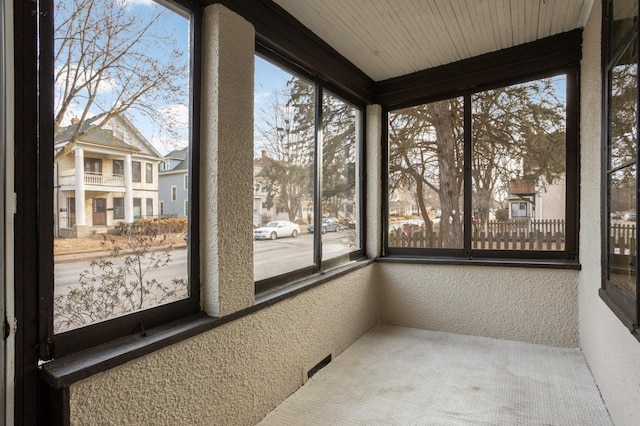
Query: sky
{"x": 176, "y": 115}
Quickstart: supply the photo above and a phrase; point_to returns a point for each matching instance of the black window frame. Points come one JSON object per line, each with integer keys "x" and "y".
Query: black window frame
{"x": 479, "y": 77}
{"x": 52, "y": 345}
{"x": 623, "y": 305}
{"x": 321, "y": 86}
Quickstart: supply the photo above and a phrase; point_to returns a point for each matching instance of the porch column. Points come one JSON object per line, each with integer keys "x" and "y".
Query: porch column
{"x": 226, "y": 162}
{"x": 128, "y": 190}
{"x": 81, "y": 218}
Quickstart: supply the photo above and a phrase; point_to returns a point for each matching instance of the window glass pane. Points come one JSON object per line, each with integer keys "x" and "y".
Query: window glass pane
{"x": 624, "y": 109}
{"x": 519, "y": 166}
{"x": 121, "y": 99}
{"x": 625, "y": 15}
{"x": 283, "y": 171}
{"x": 622, "y": 230}
{"x": 426, "y": 145}
{"x": 148, "y": 173}
{"x": 136, "y": 171}
{"x": 340, "y": 142}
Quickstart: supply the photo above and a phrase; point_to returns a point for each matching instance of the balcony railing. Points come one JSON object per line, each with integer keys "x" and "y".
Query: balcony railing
{"x": 94, "y": 179}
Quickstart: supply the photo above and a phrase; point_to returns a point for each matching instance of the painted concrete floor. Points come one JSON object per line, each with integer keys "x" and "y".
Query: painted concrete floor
{"x": 405, "y": 376}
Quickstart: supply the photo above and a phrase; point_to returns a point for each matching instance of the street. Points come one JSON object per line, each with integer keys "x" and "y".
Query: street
{"x": 271, "y": 257}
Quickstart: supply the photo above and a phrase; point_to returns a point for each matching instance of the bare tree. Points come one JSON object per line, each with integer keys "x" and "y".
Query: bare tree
{"x": 288, "y": 138}
{"x": 111, "y": 60}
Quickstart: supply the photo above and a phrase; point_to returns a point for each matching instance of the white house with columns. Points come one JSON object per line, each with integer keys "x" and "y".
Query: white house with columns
{"x": 106, "y": 172}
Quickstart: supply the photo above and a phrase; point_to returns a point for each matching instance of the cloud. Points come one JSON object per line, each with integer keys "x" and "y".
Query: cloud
{"x": 131, "y": 3}
{"x": 258, "y": 98}
{"x": 78, "y": 76}
{"x": 175, "y": 116}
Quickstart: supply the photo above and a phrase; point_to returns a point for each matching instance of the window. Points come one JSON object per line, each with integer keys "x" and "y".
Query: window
{"x": 136, "y": 171}
{"x": 93, "y": 166}
{"x": 118, "y": 208}
{"x": 118, "y": 167}
{"x": 102, "y": 297}
{"x": 148, "y": 176}
{"x": 308, "y": 169}
{"x": 161, "y": 208}
{"x": 484, "y": 174}
{"x": 174, "y": 193}
{"x": 620, "y": 68}
{"x": 137, "y": 208}
{"x": 186, "y": 182}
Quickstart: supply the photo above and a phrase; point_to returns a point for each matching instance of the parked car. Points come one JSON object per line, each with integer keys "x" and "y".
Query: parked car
{"x": 328, "y": 224}
{"x": 631, "y": 217}
{"x": 276, "y": 229}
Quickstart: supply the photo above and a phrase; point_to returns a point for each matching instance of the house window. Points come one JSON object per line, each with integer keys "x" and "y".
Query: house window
{"x": 93, "y": 166}
{"x": 118, "y": 167}
{"x": 118, "y": 208}
{"x": 137, "y": 208}
{"x": 620, "y": 67}
{"x": 483, "y": 174}
{"x": 148, "y": 176}
{"x": 161, "y": 208}
{"x": 174, "y": 193}
{"x": 136, "y": 171}
{"x": 149, "y": 75}
{"x": 186, "y": 182}
{"x": 309, "y": 141}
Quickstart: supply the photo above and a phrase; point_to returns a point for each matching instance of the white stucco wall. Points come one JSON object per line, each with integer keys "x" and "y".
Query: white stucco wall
{"x": 237, "y": 373}
{"x": 226, "y": 162}
{"x": 611, "y": 351}
{"x": 529, "y": 305}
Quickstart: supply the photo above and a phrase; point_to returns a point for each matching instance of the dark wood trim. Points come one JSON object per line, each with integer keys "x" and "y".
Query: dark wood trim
{"x": 65, "y": 371}
{"x": 491, "y": 262}
{"x": 495, "y": 67}
{"x": 279, "y": 32}
{"x": 28, "y": 402}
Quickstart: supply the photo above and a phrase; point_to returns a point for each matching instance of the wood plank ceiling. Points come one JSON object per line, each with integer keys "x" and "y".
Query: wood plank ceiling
{"x": 390, "y": 38}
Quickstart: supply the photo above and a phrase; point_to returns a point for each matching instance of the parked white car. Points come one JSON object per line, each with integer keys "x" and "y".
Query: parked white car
{"x": 276, "y": 229}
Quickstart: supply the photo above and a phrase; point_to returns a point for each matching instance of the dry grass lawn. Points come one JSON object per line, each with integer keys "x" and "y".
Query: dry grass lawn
{"x": 95, "y": 243}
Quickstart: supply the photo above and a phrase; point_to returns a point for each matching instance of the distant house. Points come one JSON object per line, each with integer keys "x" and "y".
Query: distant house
{"x": 173, "y": 186}
{"x": 267, "y": 203}
{"x": 541, "y": 201}
{"x": 104, "y": 172}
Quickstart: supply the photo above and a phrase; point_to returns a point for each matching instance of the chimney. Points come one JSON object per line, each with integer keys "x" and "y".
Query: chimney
{"x": 264, "y": 154}
{"x": 75, "y": 120}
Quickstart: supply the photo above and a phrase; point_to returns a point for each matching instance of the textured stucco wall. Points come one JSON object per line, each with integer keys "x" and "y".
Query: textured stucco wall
{"x": 226, "y": 162}
{"x": 374, "y": 180}
{"x": 611, "y": 351}
{"x": 529, "y": 305}
{"x": 237, "y": 373}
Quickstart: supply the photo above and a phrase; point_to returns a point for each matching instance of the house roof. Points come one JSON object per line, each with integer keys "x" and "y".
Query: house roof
{"x": 182, "y": 155}
{"x": 391, "y": 38}
{"x": 94, "y": 135}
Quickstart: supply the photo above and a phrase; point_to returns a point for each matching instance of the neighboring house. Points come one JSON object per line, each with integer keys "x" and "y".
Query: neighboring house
{"x": 173, "y": 186}
{"x": 541, "y": 201}
{"x": 107, "y": 175}
{"x": 264, "y": 209}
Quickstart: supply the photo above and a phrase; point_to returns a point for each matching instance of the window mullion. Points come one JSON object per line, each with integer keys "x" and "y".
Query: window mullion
{"x": 467, "y": 192}
{"x": 317, "y": 186}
